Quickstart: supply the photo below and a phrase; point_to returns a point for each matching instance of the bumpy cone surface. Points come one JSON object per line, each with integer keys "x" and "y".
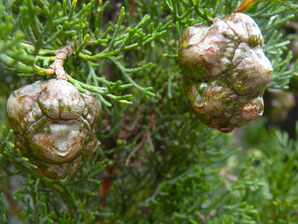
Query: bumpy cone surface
{"x": 225, "y": 71}
{"x": 54, "y": 125}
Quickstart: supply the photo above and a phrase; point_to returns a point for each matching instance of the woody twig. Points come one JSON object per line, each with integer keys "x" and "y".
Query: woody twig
{"x": 61, "y": 55}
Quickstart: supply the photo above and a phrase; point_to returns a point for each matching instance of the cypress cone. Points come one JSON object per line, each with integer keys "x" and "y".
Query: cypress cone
{"x": 54, "y": 125}
{"x": 225, "y": 71}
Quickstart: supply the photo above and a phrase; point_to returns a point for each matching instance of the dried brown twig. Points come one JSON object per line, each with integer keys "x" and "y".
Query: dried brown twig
{"x": 146, "y": 137}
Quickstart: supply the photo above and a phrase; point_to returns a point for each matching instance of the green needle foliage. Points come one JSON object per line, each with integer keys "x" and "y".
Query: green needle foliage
{"x": 157, "y": 163}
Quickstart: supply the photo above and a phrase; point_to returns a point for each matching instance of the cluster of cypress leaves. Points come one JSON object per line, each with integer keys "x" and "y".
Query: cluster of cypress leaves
{"x": 156, "y": 162}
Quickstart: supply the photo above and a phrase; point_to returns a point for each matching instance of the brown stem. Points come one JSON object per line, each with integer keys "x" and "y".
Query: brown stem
{"x": 146, "y": 137}
{"x": 244, "y": 5}
{"x": 61, "y": 55}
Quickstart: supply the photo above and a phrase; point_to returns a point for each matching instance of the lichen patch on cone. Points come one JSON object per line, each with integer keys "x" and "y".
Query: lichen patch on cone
{"x": 225, "y": 71}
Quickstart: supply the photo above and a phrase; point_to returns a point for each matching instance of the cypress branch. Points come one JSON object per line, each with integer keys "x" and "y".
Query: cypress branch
{"x": 156, "y": 162}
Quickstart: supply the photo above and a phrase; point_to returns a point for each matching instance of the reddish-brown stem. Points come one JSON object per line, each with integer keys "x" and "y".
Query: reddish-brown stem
{"x": 244, "y": 5}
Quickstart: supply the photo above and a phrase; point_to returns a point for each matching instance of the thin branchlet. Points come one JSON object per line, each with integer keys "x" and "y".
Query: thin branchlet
{"x": 61, "y": 56}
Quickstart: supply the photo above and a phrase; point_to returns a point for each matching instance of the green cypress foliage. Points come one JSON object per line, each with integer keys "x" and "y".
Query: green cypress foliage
{"x": 156, "y": 162}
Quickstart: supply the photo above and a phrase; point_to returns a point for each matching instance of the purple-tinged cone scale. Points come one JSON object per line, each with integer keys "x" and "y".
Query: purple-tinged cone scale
{"x": 225, "y": 71}
{"x": 53, "y": 125}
